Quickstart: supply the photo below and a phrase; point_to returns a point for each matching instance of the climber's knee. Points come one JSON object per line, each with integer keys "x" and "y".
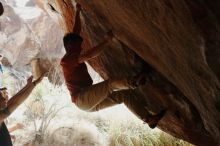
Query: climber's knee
{"x": 83, "y": 105}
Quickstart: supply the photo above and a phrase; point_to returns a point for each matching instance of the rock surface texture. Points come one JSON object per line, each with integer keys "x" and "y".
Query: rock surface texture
{"x": 29, "y": 33}
{"x": 178, "y": 39}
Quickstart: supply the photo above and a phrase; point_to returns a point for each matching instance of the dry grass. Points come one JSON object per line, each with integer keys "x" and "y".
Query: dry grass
{"x": 73, "y": 127}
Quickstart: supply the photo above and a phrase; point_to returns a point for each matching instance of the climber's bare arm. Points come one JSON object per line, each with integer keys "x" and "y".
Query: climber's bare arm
{"x": 19, "y": 98}
{"x": 77, "y": 25}
{"x": 94, "y": 52}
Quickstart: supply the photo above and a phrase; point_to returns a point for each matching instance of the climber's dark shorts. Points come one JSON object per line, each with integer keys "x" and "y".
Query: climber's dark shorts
{"x": 5, "y": 138}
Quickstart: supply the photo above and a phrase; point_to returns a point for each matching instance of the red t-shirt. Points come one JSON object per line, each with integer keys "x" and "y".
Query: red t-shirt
{"x": 75, "y": 74}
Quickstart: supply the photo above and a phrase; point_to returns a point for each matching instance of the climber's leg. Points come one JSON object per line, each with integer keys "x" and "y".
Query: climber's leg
{"x": 136, "y": 103}
{"x": 108, "y": 102}
{"x": 89, "y": 97}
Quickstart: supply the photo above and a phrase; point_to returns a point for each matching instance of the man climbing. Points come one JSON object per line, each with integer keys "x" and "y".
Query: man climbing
{"x": 102, "y": 95}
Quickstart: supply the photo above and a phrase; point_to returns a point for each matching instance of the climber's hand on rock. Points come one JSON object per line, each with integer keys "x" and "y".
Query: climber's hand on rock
{"x": 40, "y": 78}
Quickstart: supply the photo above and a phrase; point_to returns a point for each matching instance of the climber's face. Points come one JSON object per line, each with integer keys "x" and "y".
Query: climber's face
{"x": 3, "y": 98}
{"x": 1, "y": 9}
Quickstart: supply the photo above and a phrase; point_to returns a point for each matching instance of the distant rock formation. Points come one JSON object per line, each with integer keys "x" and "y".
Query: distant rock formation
{"x": 26, "y": 36}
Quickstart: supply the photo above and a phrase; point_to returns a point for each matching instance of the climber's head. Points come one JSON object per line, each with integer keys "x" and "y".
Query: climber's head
{"x": 1, "y": 9}
{"x": 71, "y": 41}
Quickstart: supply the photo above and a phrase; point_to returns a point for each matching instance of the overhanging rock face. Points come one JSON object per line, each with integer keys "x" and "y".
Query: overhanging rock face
{"x": 179, "y": 39}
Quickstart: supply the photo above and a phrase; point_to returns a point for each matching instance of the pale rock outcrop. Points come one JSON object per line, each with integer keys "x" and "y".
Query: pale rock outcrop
{"x": 23, "y": 39}
{"x": 27, "y": 35}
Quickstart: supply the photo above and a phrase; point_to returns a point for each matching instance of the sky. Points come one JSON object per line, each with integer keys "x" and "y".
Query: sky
{"x": 21, "y": 3}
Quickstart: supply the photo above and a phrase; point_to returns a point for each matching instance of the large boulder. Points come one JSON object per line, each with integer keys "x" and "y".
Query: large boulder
{"x": 178, "y": 39}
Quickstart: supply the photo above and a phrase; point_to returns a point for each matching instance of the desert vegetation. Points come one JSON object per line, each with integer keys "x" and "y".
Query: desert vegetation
{"x": 51, "y": 119}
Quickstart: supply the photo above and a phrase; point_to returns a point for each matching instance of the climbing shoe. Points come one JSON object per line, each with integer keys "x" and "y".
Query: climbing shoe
{"x": 154, "y": 119}
{"x": 136, "y": 81}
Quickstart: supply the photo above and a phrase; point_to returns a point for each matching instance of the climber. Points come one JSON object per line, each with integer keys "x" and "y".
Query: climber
{"x": 8, "y": 106}
{"x": 102, "y": 95}
{"x": 1, "y": 9}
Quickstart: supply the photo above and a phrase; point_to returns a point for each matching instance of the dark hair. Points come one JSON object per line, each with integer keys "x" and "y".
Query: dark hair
{"x": 4, "y": 88}
{"x": 70, "y": 37}
{"x": 1, "y": 9}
